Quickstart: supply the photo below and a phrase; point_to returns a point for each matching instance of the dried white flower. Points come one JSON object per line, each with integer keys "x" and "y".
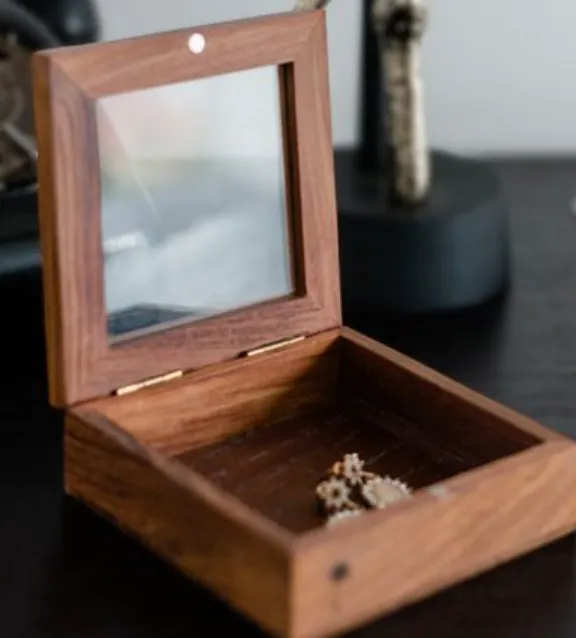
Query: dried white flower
{"x": 352, "y": 469}
{"x": 334, "y": 492}
{"x": 345, "y": 515}
{"x": 379, "y": 492}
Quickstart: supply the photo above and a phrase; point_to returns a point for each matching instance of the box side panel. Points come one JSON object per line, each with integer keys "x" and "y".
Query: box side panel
{"x": 364, "y": 569}
{"x": 246, "y": 570}
{"x": 208, "y": 405}
{"x": 441, "y": 404}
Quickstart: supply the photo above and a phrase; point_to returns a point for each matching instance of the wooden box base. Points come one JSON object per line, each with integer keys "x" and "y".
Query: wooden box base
{"x": 216, "y": 473}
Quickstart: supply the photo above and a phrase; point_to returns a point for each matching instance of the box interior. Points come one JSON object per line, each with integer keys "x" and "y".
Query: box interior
{"x": 268, "y": 429}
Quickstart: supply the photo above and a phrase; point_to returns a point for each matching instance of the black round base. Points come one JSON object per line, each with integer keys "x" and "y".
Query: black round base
{"x": 451, "y": 253}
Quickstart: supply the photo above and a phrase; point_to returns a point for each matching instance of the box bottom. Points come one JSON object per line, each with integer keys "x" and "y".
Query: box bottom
{"x": 275, "y": 469}
{"x": 217, "y": 472}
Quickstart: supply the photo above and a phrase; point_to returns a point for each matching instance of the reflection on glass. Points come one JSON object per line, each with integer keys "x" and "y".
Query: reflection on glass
{"x": 194, "y": 216}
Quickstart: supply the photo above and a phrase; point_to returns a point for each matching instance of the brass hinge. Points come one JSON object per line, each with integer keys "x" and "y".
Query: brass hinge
{"x": 129, "y": 389}
{"x": 275, "y": 346}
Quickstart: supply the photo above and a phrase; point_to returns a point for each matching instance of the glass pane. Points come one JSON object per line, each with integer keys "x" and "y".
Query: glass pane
{"x": 194, "y": 215}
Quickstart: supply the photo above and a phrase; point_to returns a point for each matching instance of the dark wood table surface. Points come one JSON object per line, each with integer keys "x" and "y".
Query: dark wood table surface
{"x": 64, "y": 573}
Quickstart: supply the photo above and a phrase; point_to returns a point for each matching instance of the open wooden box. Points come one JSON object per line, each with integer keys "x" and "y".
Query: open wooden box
{"x": 206, "y": 438}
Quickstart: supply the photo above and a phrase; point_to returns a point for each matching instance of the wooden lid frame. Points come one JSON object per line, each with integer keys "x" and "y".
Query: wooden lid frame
{"x": 82, "y": 362}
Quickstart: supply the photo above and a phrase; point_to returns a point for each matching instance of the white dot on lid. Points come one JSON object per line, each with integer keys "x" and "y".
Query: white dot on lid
{"x": 197, "y": 43}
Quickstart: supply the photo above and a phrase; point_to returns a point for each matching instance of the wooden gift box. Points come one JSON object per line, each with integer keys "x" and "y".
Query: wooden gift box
{"x": 205, "y": 439}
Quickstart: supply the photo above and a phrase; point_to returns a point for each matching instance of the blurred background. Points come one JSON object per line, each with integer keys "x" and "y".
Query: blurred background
{"x": 497, "y": 86}
{"x": 497, "y": 73}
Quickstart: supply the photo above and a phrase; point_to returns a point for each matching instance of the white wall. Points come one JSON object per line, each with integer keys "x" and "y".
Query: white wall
{"x": 499, "y": 73}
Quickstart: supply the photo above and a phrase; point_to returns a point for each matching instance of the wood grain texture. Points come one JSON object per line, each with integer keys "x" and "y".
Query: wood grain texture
{"x": 208, "y": 536}
{"x": 520, "y": 353}
{"x": 399, "y": 556}
{"x": 82, "y": 363}
{"x": 164, "y": 58}
{"x": 275, "y": 469}
{"x": 226, "y": 493}
{"x": 227, "y": 399}
{"x": 437, "y": 401}
{"x": 292, "y": 174}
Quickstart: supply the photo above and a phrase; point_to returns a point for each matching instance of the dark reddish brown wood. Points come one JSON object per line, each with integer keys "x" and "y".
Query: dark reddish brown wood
{"x": 396, "y": 557}
{"x": 215, "y": 403}
{"x": 216, "y": 472}
{"x": 132, "y": 64}
{"x": 206, "y": 534}
{"x": 440, "y": 404}
{"x": 275, "y": 469}
{"x": 82, "y": 363}
{"x": 292, "y": 172}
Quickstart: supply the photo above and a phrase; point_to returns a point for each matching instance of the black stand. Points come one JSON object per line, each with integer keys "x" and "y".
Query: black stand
{"x": 449, "y": 254}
